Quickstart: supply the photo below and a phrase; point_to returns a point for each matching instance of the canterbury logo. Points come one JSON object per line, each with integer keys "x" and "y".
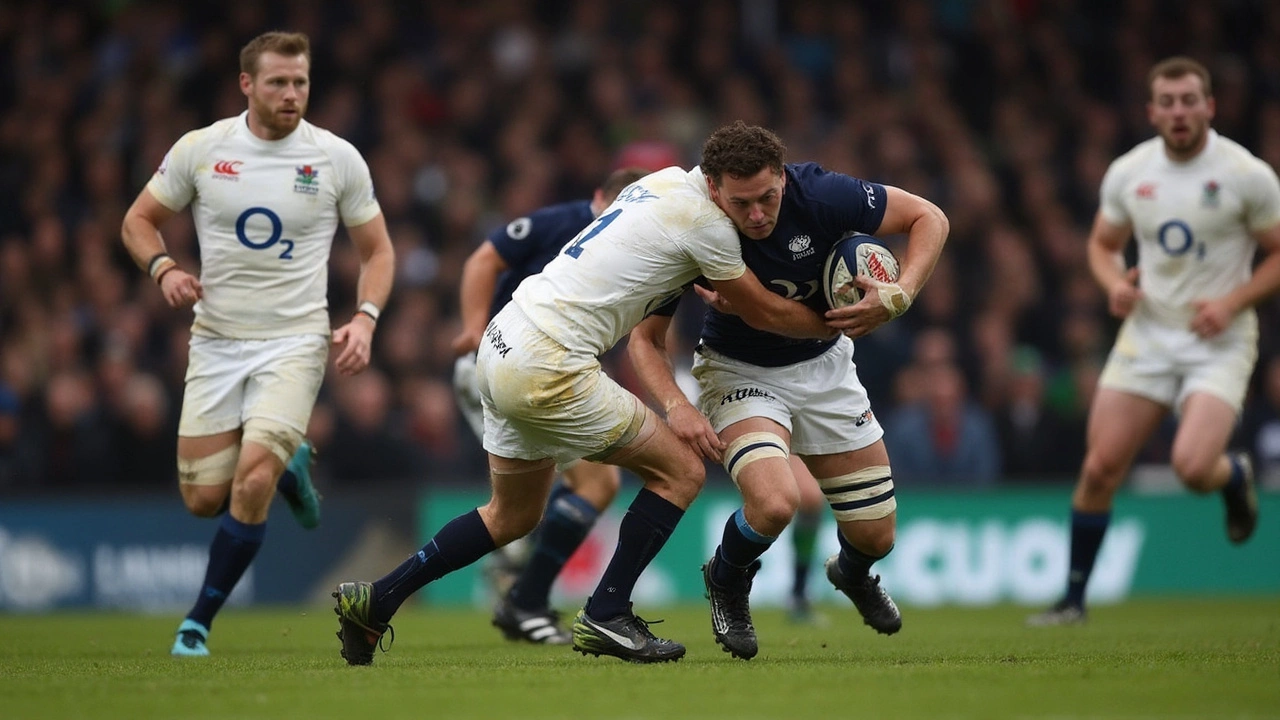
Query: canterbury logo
{"x": 227, "y": 167}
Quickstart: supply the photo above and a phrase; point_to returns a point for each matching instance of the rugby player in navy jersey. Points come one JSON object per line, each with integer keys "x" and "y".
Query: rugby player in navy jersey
{"x": 764, "y": 395}
{"x": 490, "y": 275}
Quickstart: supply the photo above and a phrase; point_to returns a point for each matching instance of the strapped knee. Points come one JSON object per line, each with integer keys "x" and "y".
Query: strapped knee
{"x": 281, "y": 439}
{"x": 866, "y": 494}
{"x": 752, "y": 447}
{"x": 216, "y": 469}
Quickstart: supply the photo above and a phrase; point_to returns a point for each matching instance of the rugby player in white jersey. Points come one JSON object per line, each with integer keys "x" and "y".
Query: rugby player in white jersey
{"x": 266, "y": 190}
{"x": 546, "y": 400}
{"x": 1199, "y": 206}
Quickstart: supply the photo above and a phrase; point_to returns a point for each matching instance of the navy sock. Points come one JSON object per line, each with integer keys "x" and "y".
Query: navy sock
{"x": 804, "y": 538}
{"x": 740, "y": 545}
{"x": 854, "y": 564}
{"x": 1235, "y": 481}
{"x": 232, "y": 550}
{"x": 644, "y": 530}
{"x": 568, "y": 519}
{"x": 462, "y": 541}
{"x": 1087, "y": 531}
{"x": 288, "y": 485}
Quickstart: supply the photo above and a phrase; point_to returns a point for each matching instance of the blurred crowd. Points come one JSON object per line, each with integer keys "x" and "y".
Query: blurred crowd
{"x": 473, "y": 112}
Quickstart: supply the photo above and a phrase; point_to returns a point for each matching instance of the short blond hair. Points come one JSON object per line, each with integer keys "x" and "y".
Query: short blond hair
{"x": 1176, "y": 67}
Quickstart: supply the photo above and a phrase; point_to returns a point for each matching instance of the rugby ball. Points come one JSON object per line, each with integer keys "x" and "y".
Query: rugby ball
{"x": 855, "y": 254}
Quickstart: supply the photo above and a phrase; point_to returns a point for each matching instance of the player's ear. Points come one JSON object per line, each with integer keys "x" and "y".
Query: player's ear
{"x": 246, "y": 82}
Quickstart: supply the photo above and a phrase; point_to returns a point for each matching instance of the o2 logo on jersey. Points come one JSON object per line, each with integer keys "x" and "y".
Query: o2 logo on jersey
{"x": 1175, "y": 238}
{"x": 277, "y": 229}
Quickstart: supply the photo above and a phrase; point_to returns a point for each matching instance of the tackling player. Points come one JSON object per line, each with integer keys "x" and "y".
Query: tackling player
{"x": 489, "y": 277}
{"x": 547, "y": 401}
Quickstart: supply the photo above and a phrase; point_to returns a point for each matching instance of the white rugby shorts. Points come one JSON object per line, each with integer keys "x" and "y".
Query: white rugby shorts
{"x": 229, "y": 381}
{"x": 820, "y": 401}
{"x": 542, "y": 400}
{"x": 1165, "y": 361}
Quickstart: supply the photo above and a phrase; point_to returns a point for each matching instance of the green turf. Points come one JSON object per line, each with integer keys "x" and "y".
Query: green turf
{"x": 1147, "y": 659}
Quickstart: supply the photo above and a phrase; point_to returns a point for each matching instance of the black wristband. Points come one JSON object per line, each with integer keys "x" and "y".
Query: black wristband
{"x": 151, "y": 264}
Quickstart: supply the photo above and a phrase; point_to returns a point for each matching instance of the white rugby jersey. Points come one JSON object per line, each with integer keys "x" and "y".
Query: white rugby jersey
{"x": 1192, "y": 220}
{"x": 661, "y": 233}
{"x": 265, "y": 214}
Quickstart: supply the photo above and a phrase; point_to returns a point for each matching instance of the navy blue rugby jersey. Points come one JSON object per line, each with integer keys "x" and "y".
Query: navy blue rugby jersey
{"x": 818, "y": 208}
{"x": 527, "y": 244}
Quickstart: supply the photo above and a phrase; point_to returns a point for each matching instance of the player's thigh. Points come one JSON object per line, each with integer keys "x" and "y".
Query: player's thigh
{"x": 857, "y": 484}
{"x": 756, "y": 459}
{"x": 1204, "y": 429}
{"x": 206, "y": 467}
{"x": 281, "y": 391}
{"x": 597, "y": 483}
{"x": 1120, "y": 423}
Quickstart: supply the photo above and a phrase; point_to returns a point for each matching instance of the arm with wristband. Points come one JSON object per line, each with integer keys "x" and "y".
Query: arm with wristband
{"x": 141, "y": 234}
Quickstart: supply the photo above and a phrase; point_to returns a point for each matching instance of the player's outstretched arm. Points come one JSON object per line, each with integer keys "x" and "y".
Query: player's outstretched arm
{"x": 764, "y": 310}
{"x": 141, "y": 234}
{"x": 377, "y": 273}
{"x": 647, "y": 348}
{"x": 475, "y": 293}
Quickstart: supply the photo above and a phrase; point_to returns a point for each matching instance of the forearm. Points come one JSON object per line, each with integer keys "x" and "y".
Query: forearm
{"x": 142, "y": 240}
{"x": 1264, "y": 283}
{"x": 377, "y": 274}
{"x": 653, "y": 366}
{"x": 1107, "y": 266}
{"x": 787, "y": 318}
{"x": 475, "y": 296}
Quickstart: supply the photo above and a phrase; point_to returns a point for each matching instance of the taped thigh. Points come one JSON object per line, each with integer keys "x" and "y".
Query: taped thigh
{"x": 281, "y": 439}
{"x": 216, "y": 469}
{"x": 514, "y": 466}
{"x": 865, "y": 494}
{"x": 752, "y": 447}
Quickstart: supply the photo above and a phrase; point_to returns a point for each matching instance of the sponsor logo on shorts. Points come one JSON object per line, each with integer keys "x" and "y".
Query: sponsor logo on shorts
{"x": 494, "y": 335}
{"x": 743, "y": 394}
{"x": 864, "y": 418}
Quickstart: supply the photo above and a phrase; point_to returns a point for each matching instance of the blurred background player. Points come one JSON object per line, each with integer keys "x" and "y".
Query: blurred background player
{"x": 547, "y": 401}
{"x": 266, "y": 190}
{"x": 766, "y": 395}
{"x": 522, "y": 576}
{"x": 1199, "y": 206}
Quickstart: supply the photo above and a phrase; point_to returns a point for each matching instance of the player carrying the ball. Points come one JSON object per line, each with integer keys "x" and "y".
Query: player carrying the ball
{"x": 764, "y": 395}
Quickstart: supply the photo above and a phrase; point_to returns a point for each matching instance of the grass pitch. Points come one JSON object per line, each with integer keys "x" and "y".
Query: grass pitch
{"x": 1143, "y": 659}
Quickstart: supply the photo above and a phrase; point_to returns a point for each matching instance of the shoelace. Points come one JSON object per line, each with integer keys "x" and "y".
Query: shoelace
{"x": 642, "y": 626}
{"x": 390, "y": 631}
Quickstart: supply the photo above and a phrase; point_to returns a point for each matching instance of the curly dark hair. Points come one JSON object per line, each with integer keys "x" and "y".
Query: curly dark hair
{"x": 740, "y": 151}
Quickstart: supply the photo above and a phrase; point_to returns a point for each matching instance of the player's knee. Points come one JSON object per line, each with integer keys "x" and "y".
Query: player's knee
{"x": 510, "y": 522}
{"x": 257, "y": 485}
{"x": 1195, "y": 472}
{"x": 772, "y": 514}
{"x": 204, "y": 501}
{"x": 1100, "y": 475}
